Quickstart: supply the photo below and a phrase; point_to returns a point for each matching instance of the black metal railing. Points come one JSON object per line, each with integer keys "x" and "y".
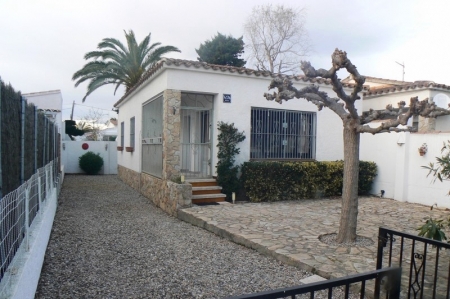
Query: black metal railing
{"x": 386, "y": 281}
{"x": 425, "y": 263}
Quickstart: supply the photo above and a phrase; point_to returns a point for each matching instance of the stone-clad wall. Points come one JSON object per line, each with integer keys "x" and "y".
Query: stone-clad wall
{"x": 171, "y": 134}
{"x": 165, "y": 194}
{"x": 130, "y": 177}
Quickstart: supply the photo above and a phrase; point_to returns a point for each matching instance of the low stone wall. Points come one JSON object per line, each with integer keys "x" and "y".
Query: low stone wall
{"x": 167, "y": 195}
{"x": 128, "y": 176}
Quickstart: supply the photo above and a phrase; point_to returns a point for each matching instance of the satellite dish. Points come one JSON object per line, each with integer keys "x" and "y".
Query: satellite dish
{"x": 441, "y": 100}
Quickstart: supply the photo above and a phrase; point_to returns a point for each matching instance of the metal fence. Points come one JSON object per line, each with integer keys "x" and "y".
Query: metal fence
{"x": 28, "y": 139}
{"x": 388, "y": 277}
{"x": 425, "y": 263}
{"x": 19, "y": 209}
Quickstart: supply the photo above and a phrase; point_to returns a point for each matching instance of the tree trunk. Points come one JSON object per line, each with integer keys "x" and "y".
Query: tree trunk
{"x": 349, "y": 212}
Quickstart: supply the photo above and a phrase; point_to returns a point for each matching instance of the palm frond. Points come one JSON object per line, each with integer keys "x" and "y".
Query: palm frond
{"x": 115, "y": 63}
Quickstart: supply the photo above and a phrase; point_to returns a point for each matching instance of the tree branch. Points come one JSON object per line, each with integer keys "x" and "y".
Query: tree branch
{"x": 402, "y": 114}
{"x": 339, "y": 60}
{"x": 286, "y": 91}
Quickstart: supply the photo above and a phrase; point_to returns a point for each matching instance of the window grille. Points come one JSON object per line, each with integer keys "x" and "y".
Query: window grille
{"x": 282, "y": 134}
{"x": 132, "y": 131}
{"x": 122, "y": 136}
{"x": 152, "y": 129}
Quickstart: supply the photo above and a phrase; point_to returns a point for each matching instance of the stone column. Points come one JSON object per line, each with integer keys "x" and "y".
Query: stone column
{"x": 171, "y": 134}
{"x": 426, "y": 124}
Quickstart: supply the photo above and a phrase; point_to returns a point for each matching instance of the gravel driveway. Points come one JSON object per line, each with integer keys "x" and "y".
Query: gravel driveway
{"x": 108, "y": 241}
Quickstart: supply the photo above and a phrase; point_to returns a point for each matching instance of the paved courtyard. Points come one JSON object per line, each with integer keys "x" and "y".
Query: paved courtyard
{"x": 290, "y": 231}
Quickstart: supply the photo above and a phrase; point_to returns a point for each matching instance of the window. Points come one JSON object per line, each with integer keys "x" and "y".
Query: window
{"x": 152, "y": 128}
{"x": 132, "y": 132}
{"x": 282, "y": 134}
{"x": 122, "y": 136}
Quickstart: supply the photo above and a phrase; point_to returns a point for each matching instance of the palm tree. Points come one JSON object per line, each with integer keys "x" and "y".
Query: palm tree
{"x": 116, "y": 64}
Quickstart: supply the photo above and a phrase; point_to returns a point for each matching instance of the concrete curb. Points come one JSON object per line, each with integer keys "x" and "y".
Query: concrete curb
{"x": 189, "y": 218}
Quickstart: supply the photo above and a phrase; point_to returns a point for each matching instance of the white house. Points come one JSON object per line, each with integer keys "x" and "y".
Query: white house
{"x": 400, "y": 172}
{"x": 49, "y": 102}
{"x": 168, "y": 122}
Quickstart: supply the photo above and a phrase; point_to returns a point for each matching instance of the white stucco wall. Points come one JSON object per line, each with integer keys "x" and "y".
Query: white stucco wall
{"x": 72, "y": 150}
{"x": 246, "y": 91}
{"x": 380, "y": 102}
{"x": 133, "y": 108}
{"x": 400, "y": 171}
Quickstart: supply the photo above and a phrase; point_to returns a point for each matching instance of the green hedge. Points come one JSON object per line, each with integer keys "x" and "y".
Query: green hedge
{"x": 272, "y": 181}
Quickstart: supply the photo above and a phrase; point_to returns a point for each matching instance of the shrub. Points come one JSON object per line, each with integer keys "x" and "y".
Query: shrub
{"x": 272, "y": 181}
{"x": 90, "y": 163}
{"x": 227, "y": 172}
{"x": 434, "y": 228}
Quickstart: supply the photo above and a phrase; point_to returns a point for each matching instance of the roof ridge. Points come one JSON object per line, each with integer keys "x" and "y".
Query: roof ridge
{"x": 217, "y": 67}
{"x": 413, "y": 85}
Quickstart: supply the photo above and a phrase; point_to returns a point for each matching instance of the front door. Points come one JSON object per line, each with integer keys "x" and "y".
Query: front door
{"x": 196, "y": 136}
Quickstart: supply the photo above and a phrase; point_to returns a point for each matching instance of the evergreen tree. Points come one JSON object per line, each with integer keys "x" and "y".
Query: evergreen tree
{"x": 223, "y": 50}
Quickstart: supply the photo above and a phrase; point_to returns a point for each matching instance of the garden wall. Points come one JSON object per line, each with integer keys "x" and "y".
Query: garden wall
{"x": 400, "y": 172}
{"x": 165, "y": 194}
{"x": 72, "y": 150}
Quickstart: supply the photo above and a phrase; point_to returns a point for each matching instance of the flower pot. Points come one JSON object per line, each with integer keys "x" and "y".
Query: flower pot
{"x": 421, "y": 153}
{"x": 120, "y": 148}
{"x": 129, "y": 149}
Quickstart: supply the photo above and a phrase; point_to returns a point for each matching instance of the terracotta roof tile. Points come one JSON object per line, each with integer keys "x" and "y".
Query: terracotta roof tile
{"x": 373, "y": 91}
{"x": 223, "y": 68}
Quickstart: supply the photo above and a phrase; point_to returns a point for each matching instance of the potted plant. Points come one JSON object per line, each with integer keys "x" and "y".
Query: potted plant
{"x": 120, "y": 148}
{"x": 423, "y": 149}
{"x": 129, "y": 149}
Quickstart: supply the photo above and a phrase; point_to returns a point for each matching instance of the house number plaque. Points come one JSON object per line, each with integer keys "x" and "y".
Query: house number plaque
{"x": 226, "y": 98}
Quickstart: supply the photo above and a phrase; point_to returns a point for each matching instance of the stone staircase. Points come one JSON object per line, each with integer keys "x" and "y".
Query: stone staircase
{"x": 205, "y": 191}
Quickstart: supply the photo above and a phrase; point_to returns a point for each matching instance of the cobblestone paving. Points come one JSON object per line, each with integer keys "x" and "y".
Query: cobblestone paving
{"x": 290, "y": 230}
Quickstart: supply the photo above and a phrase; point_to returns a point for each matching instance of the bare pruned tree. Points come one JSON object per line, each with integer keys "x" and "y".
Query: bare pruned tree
{"x": 277, "y": 38}
{"x": 92, "y": 122}
{"x": 353, "y": 123}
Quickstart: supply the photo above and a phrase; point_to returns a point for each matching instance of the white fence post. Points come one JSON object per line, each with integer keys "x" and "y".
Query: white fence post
{"x": 51, "y": 177}
{"x": 47, "y": 184}
{"x": 41, "y": 210}
{"x": 27, "y": 215}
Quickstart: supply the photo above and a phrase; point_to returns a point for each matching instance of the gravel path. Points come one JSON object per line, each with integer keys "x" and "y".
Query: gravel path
{"x": 110, "y": 242}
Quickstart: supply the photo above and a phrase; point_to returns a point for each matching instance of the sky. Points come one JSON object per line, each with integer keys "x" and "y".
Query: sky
{"x": 42, "y": 42}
